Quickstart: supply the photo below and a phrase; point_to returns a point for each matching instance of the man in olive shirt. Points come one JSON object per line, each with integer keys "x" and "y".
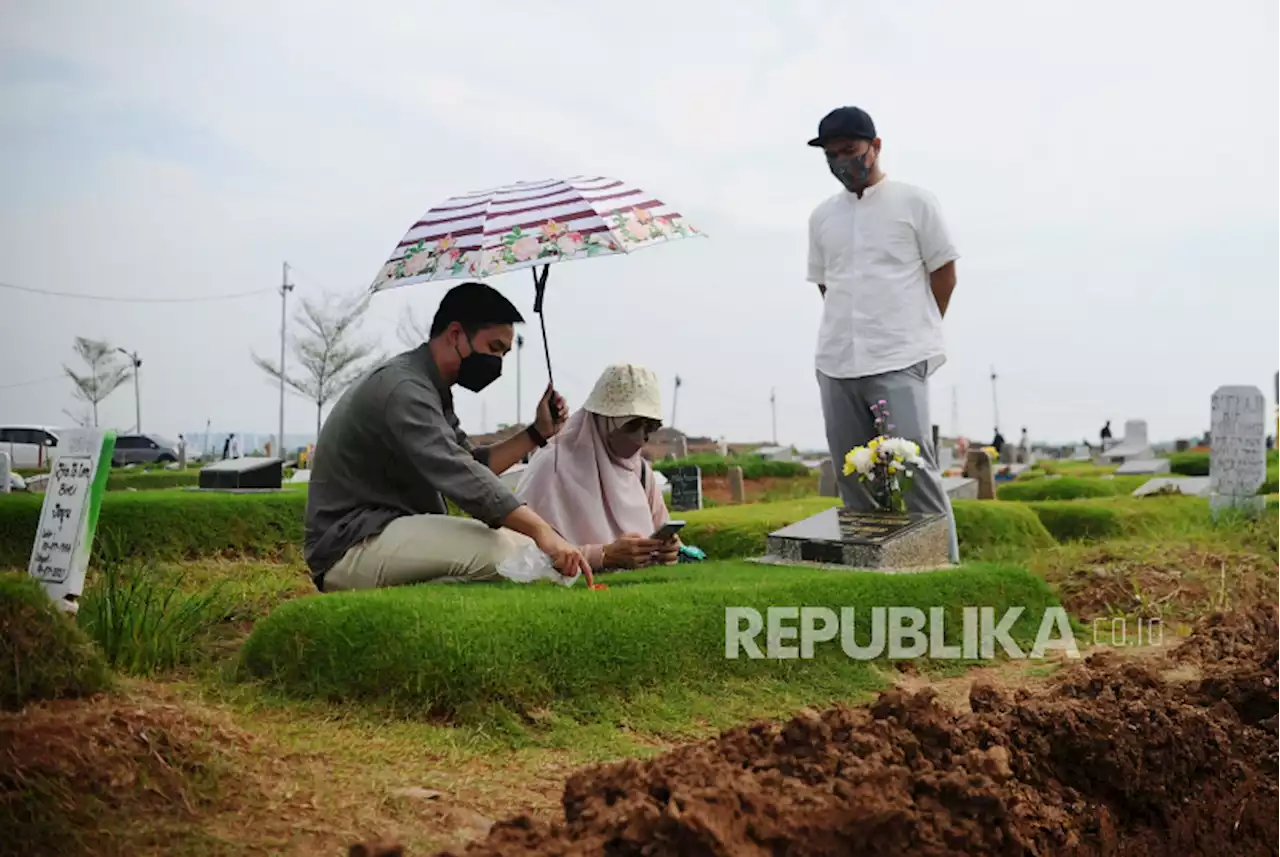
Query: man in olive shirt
{"x": 392, "y": 451}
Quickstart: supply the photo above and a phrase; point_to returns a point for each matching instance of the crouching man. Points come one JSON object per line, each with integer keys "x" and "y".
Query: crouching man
{"x": 392, "y": 451}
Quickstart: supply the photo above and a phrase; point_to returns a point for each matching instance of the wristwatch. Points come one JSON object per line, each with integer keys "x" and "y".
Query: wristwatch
{"x": 535, "y": 435}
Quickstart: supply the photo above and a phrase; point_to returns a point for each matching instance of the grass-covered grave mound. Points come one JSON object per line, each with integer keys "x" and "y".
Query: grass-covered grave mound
{"x": 43, "y": 654}
{"x": 176, "y": 525}
{"x": 462, "y": 650}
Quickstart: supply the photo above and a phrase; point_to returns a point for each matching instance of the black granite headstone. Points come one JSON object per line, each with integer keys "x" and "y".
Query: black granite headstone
{"x": 686, "y": 488}
{"x": 242, "y": 474}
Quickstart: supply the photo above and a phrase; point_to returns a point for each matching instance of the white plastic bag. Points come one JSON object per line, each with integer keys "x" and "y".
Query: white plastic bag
{"x": 531, "y": 564}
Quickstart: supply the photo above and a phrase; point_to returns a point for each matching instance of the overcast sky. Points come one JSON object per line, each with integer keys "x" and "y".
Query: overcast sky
{"x": 1108, "y": 170}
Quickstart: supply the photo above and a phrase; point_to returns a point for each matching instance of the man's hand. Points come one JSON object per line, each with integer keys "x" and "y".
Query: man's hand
{"x": 632, "y": 550}
{"x": 567, "y": 559}
{"x": 546, "y": 426}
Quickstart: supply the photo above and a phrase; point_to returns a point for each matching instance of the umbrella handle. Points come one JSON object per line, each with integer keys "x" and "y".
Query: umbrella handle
{"x": 540, "y": 291}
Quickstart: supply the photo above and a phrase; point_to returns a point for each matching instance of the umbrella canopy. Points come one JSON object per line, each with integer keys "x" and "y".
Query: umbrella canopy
{"x": 530, "y": 224}
{"x": 527, "y": 225}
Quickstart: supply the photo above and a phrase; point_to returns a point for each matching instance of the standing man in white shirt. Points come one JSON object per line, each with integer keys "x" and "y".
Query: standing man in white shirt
{"x": 884, "y": 263}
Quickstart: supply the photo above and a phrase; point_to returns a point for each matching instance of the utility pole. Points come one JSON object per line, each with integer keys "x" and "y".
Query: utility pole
{"x": 955, "y": 412}
{"x": 773, "y": 406}
{"x": 137, "y": 392}
{"x": 995, "y": 403}
{"x": 674, "y": 401}
{"x": 285, "y": 288}
{"x": 519, "y": 385}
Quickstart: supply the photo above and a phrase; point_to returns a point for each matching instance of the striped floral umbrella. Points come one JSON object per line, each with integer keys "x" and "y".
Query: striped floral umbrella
{"x": 530, "y": 225}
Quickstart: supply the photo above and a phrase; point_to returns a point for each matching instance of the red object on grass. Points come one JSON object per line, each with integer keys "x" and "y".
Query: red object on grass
{"x": 599, "y": 586}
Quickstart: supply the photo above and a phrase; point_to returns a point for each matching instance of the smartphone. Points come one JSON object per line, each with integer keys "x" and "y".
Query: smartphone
{"x": 668, "y": 531}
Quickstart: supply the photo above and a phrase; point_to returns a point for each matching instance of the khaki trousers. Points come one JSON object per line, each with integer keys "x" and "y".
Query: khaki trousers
{"x": 425, "y": 548}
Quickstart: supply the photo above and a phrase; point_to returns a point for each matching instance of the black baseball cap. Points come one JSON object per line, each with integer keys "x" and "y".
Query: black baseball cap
{"x": 850, "y": 122}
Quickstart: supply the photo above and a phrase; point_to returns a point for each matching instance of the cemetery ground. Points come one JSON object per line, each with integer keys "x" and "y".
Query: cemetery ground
{"x": 206, "y": 701}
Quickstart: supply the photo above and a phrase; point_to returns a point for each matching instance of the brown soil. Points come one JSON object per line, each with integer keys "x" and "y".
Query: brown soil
{"x": 1113, "y": 758}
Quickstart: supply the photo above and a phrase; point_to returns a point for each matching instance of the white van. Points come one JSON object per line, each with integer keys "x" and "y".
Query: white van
{"x": 29, "y": 447}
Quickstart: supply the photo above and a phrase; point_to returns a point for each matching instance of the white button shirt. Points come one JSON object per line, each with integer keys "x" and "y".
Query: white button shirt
{"x": 875, "y": 255}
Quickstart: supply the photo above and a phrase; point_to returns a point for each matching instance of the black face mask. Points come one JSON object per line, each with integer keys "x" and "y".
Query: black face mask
{"x": 477, "y": 371}
{"x": 852, "y": 171}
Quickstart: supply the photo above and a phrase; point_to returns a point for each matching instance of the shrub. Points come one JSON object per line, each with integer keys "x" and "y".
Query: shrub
{"x": 1069, "y": 488}
{"x": 1189, "y": 463}
{"x": 455, "y": 650}
{"x": 753, "y": 466}
{"x": 43, "y": 655}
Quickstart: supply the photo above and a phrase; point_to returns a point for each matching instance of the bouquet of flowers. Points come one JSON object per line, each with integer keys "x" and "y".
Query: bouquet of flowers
{"x": 887, "y": 464}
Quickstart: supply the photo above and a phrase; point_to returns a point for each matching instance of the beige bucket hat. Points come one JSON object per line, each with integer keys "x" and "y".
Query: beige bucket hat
{"x": 626, "y": 390}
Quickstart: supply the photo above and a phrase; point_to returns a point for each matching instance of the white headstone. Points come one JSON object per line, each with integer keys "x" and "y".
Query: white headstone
{"x": 946, "y": 458}
{"x": 1237, "y": 447}
{"x": 64, "y": 533}
{"x": 4, "y": 473}
{"x": 1135, "y": 433}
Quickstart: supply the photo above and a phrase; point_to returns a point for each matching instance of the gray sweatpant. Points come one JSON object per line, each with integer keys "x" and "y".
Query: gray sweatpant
{"x": 846, "y": 409}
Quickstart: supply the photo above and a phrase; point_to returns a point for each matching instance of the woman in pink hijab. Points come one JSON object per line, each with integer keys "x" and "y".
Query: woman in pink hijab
{"x": 591, "y": 483}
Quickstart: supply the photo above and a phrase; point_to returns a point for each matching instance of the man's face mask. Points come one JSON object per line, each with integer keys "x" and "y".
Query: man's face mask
{"x": 477, "y": 371}
{"x": 851, "y": 170}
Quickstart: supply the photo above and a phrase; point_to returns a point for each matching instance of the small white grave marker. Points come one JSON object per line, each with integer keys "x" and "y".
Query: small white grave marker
{"x": 69, "y": 516}
{"x": 1237, "y": 448}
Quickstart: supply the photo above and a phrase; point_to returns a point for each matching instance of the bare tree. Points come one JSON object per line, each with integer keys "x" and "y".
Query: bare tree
{"x": 411, "y": 331}
{"x": 84, "y": 419}
{"x": 106, "y": 374}
{"x": 327, "y": 358}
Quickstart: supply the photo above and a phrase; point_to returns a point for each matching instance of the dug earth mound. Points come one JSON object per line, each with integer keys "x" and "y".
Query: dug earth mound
{"x": 1117, "y": 757}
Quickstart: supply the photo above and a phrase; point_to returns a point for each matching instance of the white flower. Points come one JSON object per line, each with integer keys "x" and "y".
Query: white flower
{"x": 862, "y": 460}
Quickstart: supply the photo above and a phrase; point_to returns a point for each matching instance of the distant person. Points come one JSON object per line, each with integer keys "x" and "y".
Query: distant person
{"x": 1023, "y": 442}
{"x": 593, "y": 485}
{"x": 998, "y": 442}
{"x": 1105, "y": 435}
{"x": 392, "y": 451}
{"x": 226, "y": 447}
{"x": 883, "y": 261}
{"x": 182, "y": 450}
{"x": 236, "y": 451}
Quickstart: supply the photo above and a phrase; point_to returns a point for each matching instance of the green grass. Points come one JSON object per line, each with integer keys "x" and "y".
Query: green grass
{"x": 144, "y": 624}
{"x": 43, "y": 655}
{"x": 1152, "y": 518}
{"x": 475, "y": 652}
{"x": 1069, "y": 488}
{"x": 152, "y": 480}
{"x": 1197, "y": 464}
{"x": 169, "y": 525}
{"x": 998, "y": 531}
{"x": 1062, "y": 467}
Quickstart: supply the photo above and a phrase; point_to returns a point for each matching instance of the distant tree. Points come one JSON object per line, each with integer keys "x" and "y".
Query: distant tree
{"x": 412, "y": 331}
{"x": 327, "y": 357}
{"x": 106, "y": 373}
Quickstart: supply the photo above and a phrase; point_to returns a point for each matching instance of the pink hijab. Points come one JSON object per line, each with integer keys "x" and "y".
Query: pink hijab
{"x": 591, "y": 496}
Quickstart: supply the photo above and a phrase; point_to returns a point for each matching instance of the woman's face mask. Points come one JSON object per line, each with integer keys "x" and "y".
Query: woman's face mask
{"x": 626, "y": 439}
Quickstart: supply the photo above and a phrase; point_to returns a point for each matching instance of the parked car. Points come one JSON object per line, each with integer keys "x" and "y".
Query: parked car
{"x": 143, "y": 449}
{"x": 29, "y": 447}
